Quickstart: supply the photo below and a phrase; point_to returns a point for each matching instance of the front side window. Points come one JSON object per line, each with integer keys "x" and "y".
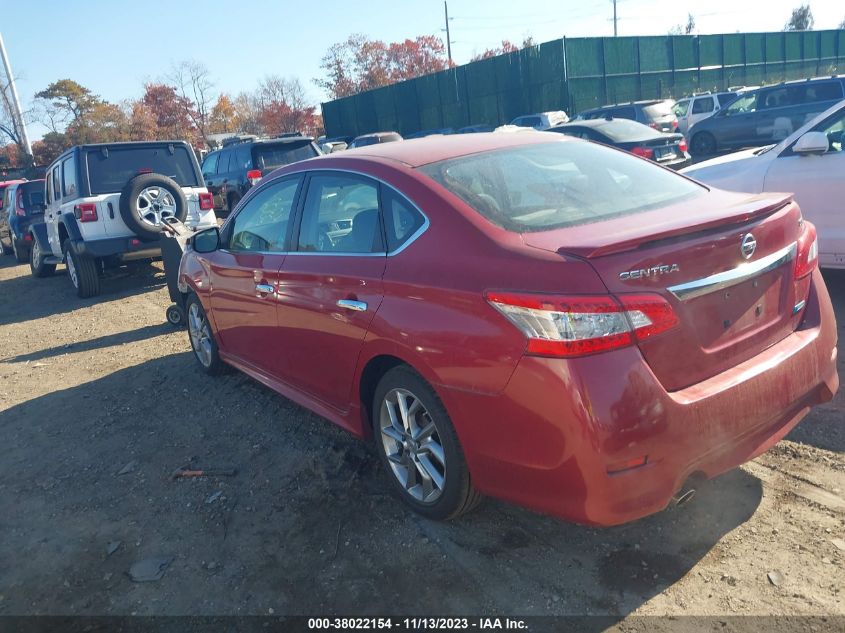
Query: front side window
{"x": 625, "y": 113}
{"x": 558, "y": 184}
{"x": 69, "y": 178}
{"x": 341, "y": 215}
{"x": 262, "y": 224}
{"x": 742, "y": 105}
{"x": 209, "y": 167}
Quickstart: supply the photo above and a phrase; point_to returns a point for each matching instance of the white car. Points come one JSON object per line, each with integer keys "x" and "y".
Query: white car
{"x": 809, "y": 163}
{"x": 693, "y": 109}
{"x": 541, "y": 120}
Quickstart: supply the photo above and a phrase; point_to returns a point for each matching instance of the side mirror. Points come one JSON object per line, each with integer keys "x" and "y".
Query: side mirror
{"x": 206, "y": 241}
{"x": 812, "y": 143}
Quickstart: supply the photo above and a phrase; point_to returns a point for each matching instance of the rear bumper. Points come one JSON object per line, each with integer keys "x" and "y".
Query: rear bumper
{"x": 550, "y": 438}
{"x": 118, "y": 248}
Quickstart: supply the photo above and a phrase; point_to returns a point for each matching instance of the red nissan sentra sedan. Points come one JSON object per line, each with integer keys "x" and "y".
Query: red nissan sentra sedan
{"x": 527, "y": 316}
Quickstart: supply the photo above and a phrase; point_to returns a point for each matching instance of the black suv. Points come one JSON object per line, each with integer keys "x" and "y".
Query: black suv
{"x": 656, "y": 113}
{"x": 244, "y": 160}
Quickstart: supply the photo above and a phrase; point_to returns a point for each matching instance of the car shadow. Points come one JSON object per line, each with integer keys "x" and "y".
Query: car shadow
{"x": 823, "y": 426}
{"x": 110, "y": 340}
{"x": 48, "y": 296}
{"x": 308, "y": 524}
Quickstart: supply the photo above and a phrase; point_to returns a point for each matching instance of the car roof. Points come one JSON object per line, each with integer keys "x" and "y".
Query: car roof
{"x": 432, "y": 149}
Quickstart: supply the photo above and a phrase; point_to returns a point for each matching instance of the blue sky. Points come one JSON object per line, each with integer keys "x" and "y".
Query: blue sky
{"x": 113, "y": 48}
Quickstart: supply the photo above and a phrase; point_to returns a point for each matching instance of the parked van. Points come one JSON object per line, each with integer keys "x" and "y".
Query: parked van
{"x": 766, "y": 115}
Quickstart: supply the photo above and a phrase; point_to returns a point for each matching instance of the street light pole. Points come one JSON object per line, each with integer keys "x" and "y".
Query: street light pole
{"x": 17, "y": 115}
{"x": 614, "y": 19}
{"x": 448, "y": 36}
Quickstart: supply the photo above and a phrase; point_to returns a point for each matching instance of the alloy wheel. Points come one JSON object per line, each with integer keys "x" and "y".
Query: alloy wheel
{"x": 200, "y": 335}
{"x": 155, "y": 204}
{"x": 412, "y": 445}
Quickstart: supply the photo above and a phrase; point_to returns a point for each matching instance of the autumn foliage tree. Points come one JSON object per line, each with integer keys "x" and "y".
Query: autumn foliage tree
{"x": 359, "y": 63}
{"x": 506, "y": 47}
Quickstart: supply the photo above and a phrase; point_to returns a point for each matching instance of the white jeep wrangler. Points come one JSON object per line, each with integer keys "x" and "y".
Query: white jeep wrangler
{"x": 105, "y": 204}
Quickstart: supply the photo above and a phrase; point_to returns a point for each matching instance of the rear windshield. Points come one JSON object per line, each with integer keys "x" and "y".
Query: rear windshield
{"x": 110, "y": 170}
{"x": 32, "y": 194}
{"x": 268, "y": 155}
{"x": 621, "y": 130}
{"x": 560, "y": 184}
{"x": 659, "y": 109}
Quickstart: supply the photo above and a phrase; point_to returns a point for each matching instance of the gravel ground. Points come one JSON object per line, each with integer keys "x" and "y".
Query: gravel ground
{"x": 100, "y": 402}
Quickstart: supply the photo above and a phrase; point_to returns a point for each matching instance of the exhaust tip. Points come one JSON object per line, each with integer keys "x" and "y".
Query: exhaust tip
{"x": 683, "y": 497}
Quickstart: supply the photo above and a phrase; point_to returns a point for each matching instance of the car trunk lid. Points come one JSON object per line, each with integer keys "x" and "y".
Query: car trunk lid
{"x": 729, "y": 307}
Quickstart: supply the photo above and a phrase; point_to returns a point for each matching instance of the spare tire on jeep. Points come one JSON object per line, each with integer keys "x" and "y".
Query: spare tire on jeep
{"x": 148, "y": 198}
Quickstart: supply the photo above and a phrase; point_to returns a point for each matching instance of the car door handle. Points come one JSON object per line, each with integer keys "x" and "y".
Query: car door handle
{"x": 350, "y": 304}
{"x": 264, "y": 289}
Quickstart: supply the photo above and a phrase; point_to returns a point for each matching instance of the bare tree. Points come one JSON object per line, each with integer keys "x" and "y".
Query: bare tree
{"x": 192, "y": 82}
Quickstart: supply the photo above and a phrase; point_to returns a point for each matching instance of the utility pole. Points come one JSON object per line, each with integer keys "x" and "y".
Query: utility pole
{"x": 614, "y": 19}
{"x": 17, "y": 115}
{"x": 448, "y": 37}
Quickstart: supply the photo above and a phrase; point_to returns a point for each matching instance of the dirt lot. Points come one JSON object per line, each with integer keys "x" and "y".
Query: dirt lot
{"x": 308, "y": 525}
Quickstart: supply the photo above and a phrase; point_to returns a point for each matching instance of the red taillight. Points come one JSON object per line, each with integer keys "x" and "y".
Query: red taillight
{"x": 253, "y": 175}
{"x": 86, "y": 212}
{"x": 654, "y": 125}
{"x": 206, "y": 201}
{"x": 807, "y": 258}
{"x": 682, "y": 145}
{"x": 145, "y": 170}
{"x": 581, "y": 325}
{"x": 645, "y": 152}
{"x": 27, "y": 237}
{"x": 19, "y": 210}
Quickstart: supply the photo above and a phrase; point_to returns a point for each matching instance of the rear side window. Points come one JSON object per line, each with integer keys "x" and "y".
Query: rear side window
{"x": 110, "y": 169}
{"x": 69, "y": 178}
{"x": 341, "y": 215}
{"x": 401, "y": 219}
{"x": 624, "y": 113}
{"x": 824, "y": 91}
{"x": 558, "y": 184}
{"x": 32, "y": 194}
{"x": 272, "y": 155}
{"x": 702, "y": 106}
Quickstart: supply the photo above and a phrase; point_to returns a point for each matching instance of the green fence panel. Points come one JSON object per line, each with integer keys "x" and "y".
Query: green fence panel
{"x": 710, "y": 51}
{"x": 484, "y": 109}
{"x": 584, "y": 57}
{"x": 621, "y": 55}
{"x": 481, "y": 77}
{"x": 575, "y": 74}
{"x": 407, "y": 109}
{"x": 365, "y": 108}
{"x": 428, "y": 91}
{"x": 655, "y": 53}
{"x": 685, "y": 51}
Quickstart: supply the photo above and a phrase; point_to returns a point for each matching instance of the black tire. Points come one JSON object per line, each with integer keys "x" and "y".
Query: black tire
{"x": 20, "y": 258}
{"x": 82, "y": 271}
{"x": 457, "y": 495}
{"x": 175, "y": 315}
{"x": 133, "y": 215}
{"x": 703, "y": 144}
{"x": 232, "y": 201}
{"x": 36, "y": 261}
{"x": 213, "y": 366}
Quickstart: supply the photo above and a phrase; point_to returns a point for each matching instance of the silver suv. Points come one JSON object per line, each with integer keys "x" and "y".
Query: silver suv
{"x": 104, "y": 205}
